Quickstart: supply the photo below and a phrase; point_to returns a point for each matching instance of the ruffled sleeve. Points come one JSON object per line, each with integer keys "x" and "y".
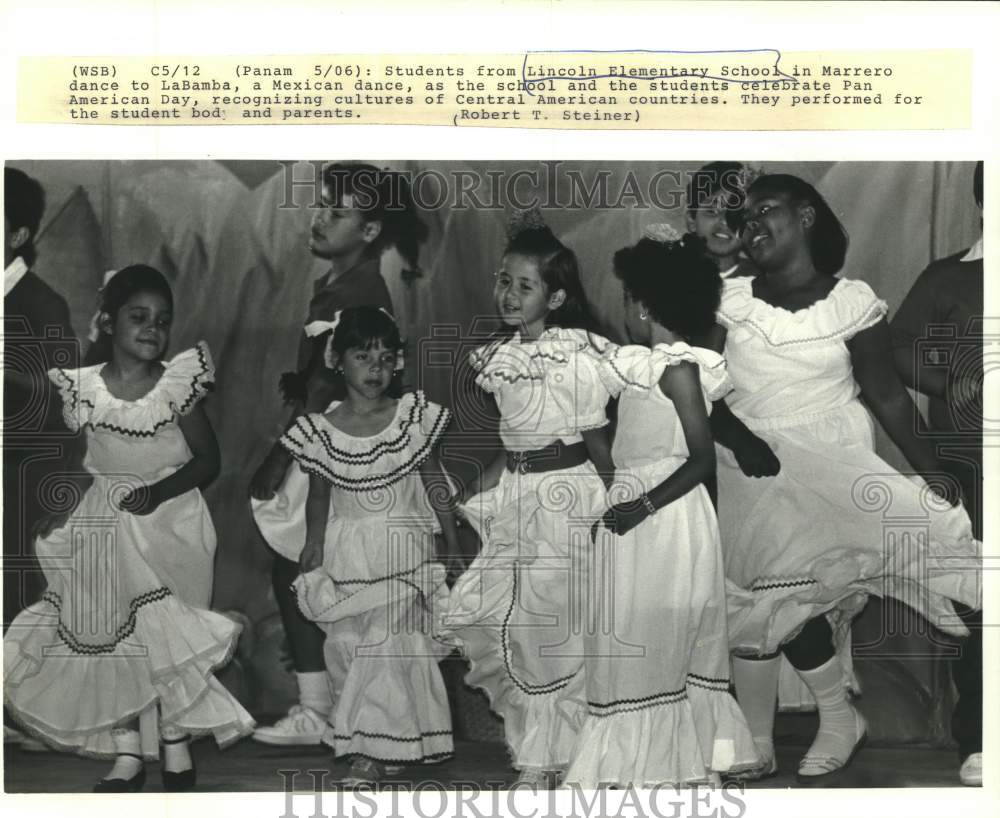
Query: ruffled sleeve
{"x": 640, "y": 368}
{"x": 304, "y": 441}
{"x": 186, "y": 379}
{"x": 428, "y": 421}
{"x": 572, "y": 363}
{"x": 76, "y": 413}
{"x": 851, "y": 307}
{"x": 855, "y": 307}
{"x": 502, "y": 363}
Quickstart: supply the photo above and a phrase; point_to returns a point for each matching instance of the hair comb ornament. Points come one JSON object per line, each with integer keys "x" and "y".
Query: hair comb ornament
{"x": 529, "y": 218}
{"x": 661, "y": 232}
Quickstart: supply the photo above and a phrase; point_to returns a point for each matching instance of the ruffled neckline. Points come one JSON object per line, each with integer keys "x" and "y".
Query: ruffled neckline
{"x": 364, "y": 463}
{"x": 409, "y": 410}
{"x": 514, "y": 359}
{"x": 848, "y": 308}
{"x": 640, "y": 368}
{"x": 87, "y": 400}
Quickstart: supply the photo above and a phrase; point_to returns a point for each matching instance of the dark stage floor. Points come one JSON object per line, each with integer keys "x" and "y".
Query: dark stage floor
{"x": 252, "y": 767}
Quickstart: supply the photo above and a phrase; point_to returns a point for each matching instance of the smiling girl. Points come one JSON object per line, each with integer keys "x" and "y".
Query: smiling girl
{"x": 119, "y": 653}
{"x": 803, "y": 498}
{"x": 515, "y": 612}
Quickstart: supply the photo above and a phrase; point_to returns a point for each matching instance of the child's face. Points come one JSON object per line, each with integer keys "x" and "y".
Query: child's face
{"x": 141, "y": 327}
{"x": 369, "y": 371}
{"x": 710, "y": 224}
{"x": 775, "y": 228}
{"x": 521, "y": 296}
{"x": 339, "y": 229}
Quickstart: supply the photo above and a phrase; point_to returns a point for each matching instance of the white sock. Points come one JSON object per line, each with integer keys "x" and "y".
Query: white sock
{"x": 838, "y": 725}
{"x": 176, "y": 749}
{"x": 314, "y": 692}
{"x": 756, "y": 683}
{"x": 126, "y": 766}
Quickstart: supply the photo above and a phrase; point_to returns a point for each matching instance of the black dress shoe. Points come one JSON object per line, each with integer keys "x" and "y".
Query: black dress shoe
{"x": 179, "y": 782}
{"x": 133, "y": 784}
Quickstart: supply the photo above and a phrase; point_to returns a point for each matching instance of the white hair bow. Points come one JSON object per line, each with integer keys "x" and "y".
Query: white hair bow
{"x": 314, "y": 328}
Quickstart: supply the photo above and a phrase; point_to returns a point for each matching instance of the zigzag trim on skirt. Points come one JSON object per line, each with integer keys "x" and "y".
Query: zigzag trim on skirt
{"x": 387, "y": 737}
{"x": 525, "y": 687}
{"x": 771, "y": 583}
{"x": 125, "y": 631}
{"x": 601, "y": 709}
{"x": 708, "y": 682}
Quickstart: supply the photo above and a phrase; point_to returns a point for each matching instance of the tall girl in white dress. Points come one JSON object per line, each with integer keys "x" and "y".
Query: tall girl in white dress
{"x": 803, "y": 498}
{"x": 517, "y": 612}
{"x": 358, "y": 511}
{"x": 119, "y": 653}
{"x": 657, "y": 666}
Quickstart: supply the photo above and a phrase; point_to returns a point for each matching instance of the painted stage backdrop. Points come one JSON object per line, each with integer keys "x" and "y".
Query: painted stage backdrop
{"x": 232, "y": 239}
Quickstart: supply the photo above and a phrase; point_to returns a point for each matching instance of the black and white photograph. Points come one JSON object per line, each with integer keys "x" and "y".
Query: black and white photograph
{"x": 348, "y": 474}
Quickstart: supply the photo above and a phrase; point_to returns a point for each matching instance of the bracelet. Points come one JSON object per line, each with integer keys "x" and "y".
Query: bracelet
{"x": 647, "y": 503}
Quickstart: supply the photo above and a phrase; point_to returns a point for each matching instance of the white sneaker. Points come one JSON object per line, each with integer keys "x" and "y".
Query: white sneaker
{"x": 971, "y": 774}
{"x": 302, "y": 726}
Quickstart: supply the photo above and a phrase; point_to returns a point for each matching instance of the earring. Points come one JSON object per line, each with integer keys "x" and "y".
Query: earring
{"x": 642, "y": 315}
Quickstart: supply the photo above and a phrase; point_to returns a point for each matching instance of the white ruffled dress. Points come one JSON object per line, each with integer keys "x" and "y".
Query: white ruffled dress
{"x": 837, "y": 523}
{"x": 517, "y": 612}
{"x": 124, "y": 630}
{"x": 657, "y": 666}
{"x": 380, "y": 589}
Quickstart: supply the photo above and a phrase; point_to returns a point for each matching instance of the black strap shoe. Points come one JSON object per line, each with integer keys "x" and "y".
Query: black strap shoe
{"x": 133, "y": 784}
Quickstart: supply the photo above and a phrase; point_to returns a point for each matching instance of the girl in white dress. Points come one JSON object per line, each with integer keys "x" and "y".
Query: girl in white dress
{"x": 806, "y": 507}
{"x": 517, "y": 612}
{"x": 119, "y": 653}
{"x": 358, "y": 511}
{"x": 657, "y": 666}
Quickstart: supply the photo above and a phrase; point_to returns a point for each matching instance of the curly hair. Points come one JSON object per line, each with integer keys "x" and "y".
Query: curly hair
{"x": 676, "y": 282}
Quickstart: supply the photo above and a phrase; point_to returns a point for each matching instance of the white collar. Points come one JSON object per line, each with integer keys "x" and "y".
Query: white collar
{"x": 730, "y": 271}
{"x": 13, "y": 274}
{"x": 975, "y": 252}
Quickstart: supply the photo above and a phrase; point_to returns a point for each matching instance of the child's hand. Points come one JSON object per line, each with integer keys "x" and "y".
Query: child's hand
{"x": 756, "y": 458}
{"x": 311, "y": 557}
{"x": 622, "y": 518}
{"x": 49, "y": 523}
{"x": 140, "y": 501}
